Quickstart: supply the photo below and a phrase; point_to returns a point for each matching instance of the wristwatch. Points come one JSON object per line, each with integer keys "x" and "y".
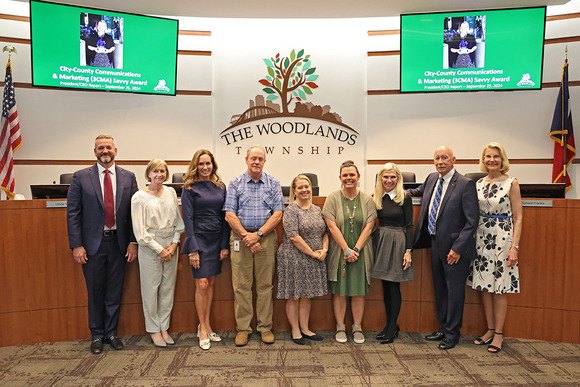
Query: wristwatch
{"x": 260, "y": 233}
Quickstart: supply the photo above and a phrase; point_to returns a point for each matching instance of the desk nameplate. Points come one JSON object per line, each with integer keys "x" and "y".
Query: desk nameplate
{"x": 56, "y": 204}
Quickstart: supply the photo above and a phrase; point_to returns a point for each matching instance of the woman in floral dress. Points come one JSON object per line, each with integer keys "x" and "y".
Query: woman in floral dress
{"x": 494, "y": 272}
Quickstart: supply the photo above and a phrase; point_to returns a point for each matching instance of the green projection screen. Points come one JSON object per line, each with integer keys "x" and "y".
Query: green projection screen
{"x": 499, "y": 49}
{"x": 94, "y": 49}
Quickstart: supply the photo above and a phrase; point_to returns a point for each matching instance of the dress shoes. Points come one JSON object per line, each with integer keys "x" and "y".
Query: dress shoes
{"x": 435, "y": 336}
{"x": 97, "y": 346}
{"x": 382, "y": 335}
{"x": 115, "y": 342}
{"x": 447, "y": 344}
{"x": 389, "y": 340}
{"x": 313, "y": 337}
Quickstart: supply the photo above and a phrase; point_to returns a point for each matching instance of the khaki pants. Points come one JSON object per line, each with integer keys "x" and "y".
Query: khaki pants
{"x": 246, "y": 266}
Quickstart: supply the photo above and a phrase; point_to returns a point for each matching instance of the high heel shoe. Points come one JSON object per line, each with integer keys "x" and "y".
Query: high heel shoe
{"x": 382, "y": 335}
{"x": 480, "y": 341}
{"x": 160, "y": 344}
{"x": 493, "y": 348}
{"x": 389, "y": 340}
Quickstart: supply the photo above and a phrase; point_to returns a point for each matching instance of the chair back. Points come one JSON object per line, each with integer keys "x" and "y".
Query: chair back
{"x": 66, "y": 178}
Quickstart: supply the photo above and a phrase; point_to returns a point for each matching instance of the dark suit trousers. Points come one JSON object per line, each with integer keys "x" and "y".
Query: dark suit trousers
{"x": 104, "y": 275}
{"x": 449, "y": 283}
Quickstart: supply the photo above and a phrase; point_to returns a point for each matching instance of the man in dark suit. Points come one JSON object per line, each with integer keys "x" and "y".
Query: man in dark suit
{"x": 101, "y": 237}
{"x": 447, "y": 223}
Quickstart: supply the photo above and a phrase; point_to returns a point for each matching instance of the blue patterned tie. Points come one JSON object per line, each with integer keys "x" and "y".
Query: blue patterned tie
{"x": 435, "y": 207}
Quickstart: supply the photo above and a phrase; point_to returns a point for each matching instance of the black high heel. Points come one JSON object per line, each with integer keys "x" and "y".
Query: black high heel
{"x": 382, "y": 335}
{"x": 493, "y": 348}
{"x": 480, "y": 341}
{"x": 389, "y": 340}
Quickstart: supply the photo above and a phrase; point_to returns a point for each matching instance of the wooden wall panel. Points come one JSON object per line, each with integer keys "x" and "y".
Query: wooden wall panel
{"x": 46, "y": 295}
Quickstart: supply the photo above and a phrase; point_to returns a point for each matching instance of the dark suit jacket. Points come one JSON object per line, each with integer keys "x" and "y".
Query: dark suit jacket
{"x": 458, "y": 215}
{"x": 86, "y": 210}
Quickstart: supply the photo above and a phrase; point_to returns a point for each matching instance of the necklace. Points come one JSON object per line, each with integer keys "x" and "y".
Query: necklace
{"x": 351, "y": 215}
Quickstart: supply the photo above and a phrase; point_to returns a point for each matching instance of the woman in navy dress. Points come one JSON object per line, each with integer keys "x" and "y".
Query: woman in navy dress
{"x": 207, "y": 235}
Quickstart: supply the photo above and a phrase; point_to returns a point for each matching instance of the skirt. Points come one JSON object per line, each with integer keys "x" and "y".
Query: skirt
{"x": 389, "y": 244}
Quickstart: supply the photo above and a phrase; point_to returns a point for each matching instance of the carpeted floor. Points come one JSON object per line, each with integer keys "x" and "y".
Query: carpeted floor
{"x": 410, "y": 361}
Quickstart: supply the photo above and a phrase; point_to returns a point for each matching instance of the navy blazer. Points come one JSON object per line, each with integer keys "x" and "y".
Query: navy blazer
{"x": 85, "y": 213}
{"x": 457, "y": 218}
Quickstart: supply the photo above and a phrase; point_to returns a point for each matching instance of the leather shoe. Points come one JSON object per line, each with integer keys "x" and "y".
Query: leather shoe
{"x": 447, "y": 343}
{"x": 97, "y": 346}
{"x": 435, "y": 336}
{"x": 267, "y": 337}
{"x": 382, "y": 335}
{"x": 115, "y": 342}
{"x": 242, "y": 338}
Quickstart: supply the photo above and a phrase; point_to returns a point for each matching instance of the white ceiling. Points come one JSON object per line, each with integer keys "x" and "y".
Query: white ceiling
{"x": 299, "y": 8}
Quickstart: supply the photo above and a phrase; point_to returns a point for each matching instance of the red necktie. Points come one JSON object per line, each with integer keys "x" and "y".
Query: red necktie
{"x": 109, "y": 201}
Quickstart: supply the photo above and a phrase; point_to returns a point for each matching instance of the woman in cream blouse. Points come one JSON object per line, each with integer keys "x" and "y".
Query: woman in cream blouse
{"x": 157, "y": 225}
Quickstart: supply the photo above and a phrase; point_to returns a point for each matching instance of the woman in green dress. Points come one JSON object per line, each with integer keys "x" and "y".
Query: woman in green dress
{"x": 350, "y": 216}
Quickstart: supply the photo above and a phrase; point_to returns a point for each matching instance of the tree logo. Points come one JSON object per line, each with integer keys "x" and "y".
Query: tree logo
{"x": 290, "y": 75}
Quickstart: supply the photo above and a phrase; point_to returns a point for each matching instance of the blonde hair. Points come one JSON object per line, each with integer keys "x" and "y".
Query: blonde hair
{"x": 380, "y": 190}
{"x": 253, "y": 147}
{"x": 293, "y": 187}
{"x": 104, "y": 137}
{"x": 505, "y": 163}
{"x": 155, "y": 163}
{"x": 191, "y": 176}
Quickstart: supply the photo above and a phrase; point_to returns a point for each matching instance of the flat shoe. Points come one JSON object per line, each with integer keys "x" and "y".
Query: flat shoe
{"x": 340, "y": 333}
{"x": 205, "y": 344}
{"x": 299, "y": 341}
{"x": 313, "y": 337}
{"x": 357, "y": 334}
{"x": 214, "y": 337}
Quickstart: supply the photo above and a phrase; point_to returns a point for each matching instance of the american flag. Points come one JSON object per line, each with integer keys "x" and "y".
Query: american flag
{"x": 10, "y": 138}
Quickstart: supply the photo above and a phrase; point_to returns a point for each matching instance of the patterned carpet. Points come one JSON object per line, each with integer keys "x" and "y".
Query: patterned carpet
{"x": 410, "y": 361}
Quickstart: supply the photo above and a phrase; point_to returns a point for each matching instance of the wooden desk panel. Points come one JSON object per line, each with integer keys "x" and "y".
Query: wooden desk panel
{"x": 46, "y": 295}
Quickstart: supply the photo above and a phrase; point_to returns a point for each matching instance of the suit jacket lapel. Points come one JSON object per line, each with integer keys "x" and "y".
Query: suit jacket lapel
{"x": 448, "y": 192}
{"x": 94, "y": 176}
{"x": 120, "y": 188}
{"x": 426, "y": 199}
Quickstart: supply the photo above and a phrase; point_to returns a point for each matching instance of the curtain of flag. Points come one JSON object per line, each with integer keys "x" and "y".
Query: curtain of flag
{"x": 562, "y": 133}
{"x": 10, "y": 138}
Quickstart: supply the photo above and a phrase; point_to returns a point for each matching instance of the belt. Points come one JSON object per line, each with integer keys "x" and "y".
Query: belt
{"x": 109, "y": 233}
{"x": 499, "y": 216}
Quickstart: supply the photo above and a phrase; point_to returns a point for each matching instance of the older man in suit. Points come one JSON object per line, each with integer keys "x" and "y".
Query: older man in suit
{"x": 101, "y": 237}
{"x": 447, "y": 223}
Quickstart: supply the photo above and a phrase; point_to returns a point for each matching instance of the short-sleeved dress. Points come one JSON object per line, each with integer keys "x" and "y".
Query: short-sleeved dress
{"x": 300, "y": 275}
{"x": 205, "y": 227}
{"x": 489, "y": 271}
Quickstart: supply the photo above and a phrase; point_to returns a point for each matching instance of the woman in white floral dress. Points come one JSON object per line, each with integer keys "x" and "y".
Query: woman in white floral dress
{"x": 494, "y": 272}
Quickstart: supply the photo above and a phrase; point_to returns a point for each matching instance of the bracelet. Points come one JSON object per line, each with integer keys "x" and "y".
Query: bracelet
{"x": 347, "y": 252}
{"x": 325, "y": 249}
{"x": 356, "y": 250}
{"x": 516, "y": 247}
